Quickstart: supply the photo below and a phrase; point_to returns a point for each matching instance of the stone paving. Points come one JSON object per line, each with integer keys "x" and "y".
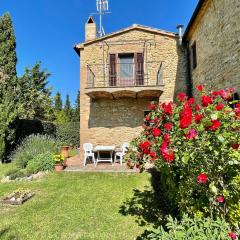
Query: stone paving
{"x": 74, "y": 164}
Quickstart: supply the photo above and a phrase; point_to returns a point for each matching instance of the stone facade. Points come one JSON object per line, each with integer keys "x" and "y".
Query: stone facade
{"x": 114, "y": 121}
{"x": 216, "y": 32}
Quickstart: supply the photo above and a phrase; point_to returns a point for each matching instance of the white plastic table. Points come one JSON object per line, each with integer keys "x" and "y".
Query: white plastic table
{"x": 104, "y": 149}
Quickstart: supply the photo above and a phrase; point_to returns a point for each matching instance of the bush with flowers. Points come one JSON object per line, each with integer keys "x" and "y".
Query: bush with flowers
{"x": 196, "y": 147}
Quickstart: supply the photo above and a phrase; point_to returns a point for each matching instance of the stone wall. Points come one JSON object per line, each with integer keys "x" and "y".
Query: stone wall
{"x": 216, "y": 32}
{"x": 113, "y": 122}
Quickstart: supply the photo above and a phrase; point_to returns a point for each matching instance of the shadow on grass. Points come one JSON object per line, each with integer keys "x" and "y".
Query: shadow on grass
{"x": 149, "y": 206}
{"x": 6, "y": 234}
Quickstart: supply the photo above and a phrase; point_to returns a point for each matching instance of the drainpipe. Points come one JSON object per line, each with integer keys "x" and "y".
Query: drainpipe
{"x": 180, "y": 34}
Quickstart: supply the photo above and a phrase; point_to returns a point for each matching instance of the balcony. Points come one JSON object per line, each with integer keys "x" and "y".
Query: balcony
{"x": 125, "y": 80}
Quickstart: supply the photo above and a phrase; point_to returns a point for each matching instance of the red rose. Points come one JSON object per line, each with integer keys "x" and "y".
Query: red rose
{"x": 206, "y": 100}
{"x": 168, "y": 155}
{"x": 221, "y": 199}
{"x": 232, "y": 235}
{"x": 167, "y": 108}
{"x": 238, "y": 105}
{"x": 146, "y": 150}
{"x": 151, "y": 106}
{"x": 219, "y": 107}
{"x": 235, "y": 146}
{"x": 166, "y": 138}
{"x": 156, "y": 132}
{"x": 185, "y": 116}
{"x": 191, "y": 101}
{"x": 182, "y": 97}
{"x": 202, "y": 178}
{"x": 192, "y": 133}
{"x": 153, "y": 156}
{"x": 200, "y": 88}
{"x": 215, "y": 125}
{"x": 198, "y": 118}
{"x": 197, "y": 108}
{"x": 145, "y": 145}
{"x": 168, "y": 126}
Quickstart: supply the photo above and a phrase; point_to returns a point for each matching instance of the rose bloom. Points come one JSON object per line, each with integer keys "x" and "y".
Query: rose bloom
{"x": 146, "y": 150}
{"x": 156, "y": 132}
{"x": 215, "y": 125}
{"x": 219, "y": 107}
{"x": 144, "y": 145}
{"x": 200, "y": 88}
{"x": 206, "y": 100}
{"x": 168, "y": 126}
{"x": 197, "y": 107}
{"x": 191, "y": 101}
{"x": 232, "y": 235}
{"x": 151, "y": 106}
{"x": 235, "y": 146}
{"x": 182, "y": 97}
{"x": 167, "y": 108}
{"x": 166, "y": 138}
{"x": 221, "y": 199}
{"x": 153, "y": 155}
{"x": 198, "y": 118}
{"x": 168, "y": 155}
{"x": 202, "y": 178}
{"x": 192, "y": 133}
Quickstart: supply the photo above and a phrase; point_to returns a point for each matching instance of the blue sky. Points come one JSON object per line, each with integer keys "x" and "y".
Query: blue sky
{"x": 47, "y": 30}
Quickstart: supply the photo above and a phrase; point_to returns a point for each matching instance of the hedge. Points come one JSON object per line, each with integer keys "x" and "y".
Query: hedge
{"x": 69, "y": 134}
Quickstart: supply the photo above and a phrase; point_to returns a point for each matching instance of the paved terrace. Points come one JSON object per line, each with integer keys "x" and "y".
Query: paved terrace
{"x": 74, "y": 164}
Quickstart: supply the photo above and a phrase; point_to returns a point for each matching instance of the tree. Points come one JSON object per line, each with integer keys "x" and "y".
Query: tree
{"x": 9, "y": 104}
{"x": 76, "y": 110}
{"x": 8, "y": 56}
{"x": 34, "y": 94}
{"x": 58, "y": 102}
{"x": 67, "y": 108}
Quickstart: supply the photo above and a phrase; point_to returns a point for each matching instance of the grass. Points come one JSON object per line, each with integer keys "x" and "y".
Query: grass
{"x": 73, "y": 206}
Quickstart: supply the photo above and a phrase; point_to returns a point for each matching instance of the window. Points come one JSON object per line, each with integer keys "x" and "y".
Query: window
{"x": 126, "y": 69}
{"x": 194, "y": 55}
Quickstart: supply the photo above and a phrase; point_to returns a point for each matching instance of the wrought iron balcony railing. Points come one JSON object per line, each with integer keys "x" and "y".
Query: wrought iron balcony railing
{"x": 124, "y": 75}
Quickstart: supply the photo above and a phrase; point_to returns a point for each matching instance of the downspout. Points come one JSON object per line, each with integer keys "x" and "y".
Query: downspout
{"x": 189, "y": 72}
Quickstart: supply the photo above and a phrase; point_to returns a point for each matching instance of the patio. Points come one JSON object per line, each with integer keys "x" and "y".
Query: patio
{"x": 75, "y": 164}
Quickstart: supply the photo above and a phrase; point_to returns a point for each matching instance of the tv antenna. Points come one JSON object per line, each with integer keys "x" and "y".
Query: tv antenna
{"x": 102, "y": 9}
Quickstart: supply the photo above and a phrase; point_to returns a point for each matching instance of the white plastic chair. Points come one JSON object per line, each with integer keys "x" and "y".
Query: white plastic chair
{"x": 121, "y": 154}
{"x": 88, "y": 152}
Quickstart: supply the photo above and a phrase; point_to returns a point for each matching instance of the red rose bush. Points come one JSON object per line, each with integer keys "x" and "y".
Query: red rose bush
{"x": 195, "y": 145}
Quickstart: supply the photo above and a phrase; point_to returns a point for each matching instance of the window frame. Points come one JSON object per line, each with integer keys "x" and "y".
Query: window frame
{"x": 194, "y": 55}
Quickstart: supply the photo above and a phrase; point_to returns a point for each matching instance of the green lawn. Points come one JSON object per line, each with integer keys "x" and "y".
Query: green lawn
{"x": 73, "y": 206}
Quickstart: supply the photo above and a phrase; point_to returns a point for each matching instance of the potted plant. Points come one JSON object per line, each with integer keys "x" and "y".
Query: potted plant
{"x": 64, "y": 151}
{"x": 59, "y": 159}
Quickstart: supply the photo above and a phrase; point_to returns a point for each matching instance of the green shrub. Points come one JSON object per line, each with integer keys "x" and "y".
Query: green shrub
{"x": 69, "y": 134}
{"x": 41, "y": 162}
{"x": 192, "y": 229}
{"x": 15, "y": 173}
{"x": 197, "y": 150}
{"x": 33, "y": 146}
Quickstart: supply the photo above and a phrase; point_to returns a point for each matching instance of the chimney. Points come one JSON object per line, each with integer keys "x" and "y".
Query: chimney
{"x": 180, "y": 33}
{"x": 90, "y": 29}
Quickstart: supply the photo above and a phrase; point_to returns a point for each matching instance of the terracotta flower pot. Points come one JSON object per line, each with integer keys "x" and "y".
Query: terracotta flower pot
{"x": 64, "y": 151}
{"x": 58, "y": 167}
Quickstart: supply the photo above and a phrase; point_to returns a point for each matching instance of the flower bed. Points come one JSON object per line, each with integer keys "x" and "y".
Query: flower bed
{"x": 18, "y": 197}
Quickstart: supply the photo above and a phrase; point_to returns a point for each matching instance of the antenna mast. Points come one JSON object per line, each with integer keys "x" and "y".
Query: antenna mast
{"x": 102, "y": 8}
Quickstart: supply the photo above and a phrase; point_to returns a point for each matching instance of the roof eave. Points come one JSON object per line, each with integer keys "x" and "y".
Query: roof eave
{"x": 193, "y": 18}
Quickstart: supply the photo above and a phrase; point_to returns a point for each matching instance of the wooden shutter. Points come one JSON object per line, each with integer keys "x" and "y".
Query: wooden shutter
{"x": 139, "y": 69}
{"x": 112, "y": 71}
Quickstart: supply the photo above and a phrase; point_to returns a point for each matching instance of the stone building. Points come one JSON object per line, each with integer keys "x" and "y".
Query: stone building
{"x": 212, "y": 38}
{"x": 123, "y": 71}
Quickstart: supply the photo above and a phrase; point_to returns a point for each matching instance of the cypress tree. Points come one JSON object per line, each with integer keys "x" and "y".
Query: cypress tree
{"x": 58, "y": 102}
{"x": 8, "y": 56}
{"x": 76, "y": 111}
{"x": 67, "y": 108}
